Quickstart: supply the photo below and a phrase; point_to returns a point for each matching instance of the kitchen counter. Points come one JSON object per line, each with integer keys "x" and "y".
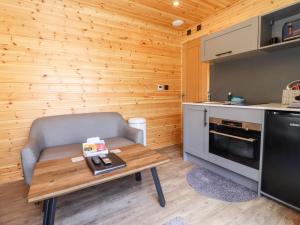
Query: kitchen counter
{"x": 198, "y": 131}
{"x": 269, "y": 106}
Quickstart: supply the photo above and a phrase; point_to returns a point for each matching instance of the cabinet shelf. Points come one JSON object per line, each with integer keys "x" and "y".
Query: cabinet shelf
{"x": 281, "y": 45}
{"x": 271, "y": 26}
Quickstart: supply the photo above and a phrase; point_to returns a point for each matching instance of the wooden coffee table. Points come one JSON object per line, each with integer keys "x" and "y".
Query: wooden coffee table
{"x": 59, "y": 177}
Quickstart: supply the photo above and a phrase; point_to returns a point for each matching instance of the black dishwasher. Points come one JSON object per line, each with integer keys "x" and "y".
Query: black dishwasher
{"x": 281, "y": 157}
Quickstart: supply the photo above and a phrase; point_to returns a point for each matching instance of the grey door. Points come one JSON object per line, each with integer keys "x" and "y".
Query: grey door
{"x": 196, "y": 130}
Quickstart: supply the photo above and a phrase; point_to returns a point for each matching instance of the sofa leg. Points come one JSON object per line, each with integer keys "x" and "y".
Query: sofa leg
{"x": 138, "y": 176}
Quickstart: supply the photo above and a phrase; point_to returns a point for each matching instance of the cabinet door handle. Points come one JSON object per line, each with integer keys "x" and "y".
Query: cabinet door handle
{"x": 205, "y": 113}
{"x": 224, "y": 53}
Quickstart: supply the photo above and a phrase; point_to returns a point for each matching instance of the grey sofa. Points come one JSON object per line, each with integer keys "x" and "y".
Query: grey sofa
{"x": 62, "y": 136}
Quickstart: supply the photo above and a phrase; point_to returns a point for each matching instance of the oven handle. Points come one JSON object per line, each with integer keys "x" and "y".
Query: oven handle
{"x": 232, "y": 136}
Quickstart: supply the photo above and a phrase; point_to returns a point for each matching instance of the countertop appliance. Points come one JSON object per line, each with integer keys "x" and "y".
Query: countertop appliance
{"x": 235, "y": 140}
{"x": 281, "y": 157}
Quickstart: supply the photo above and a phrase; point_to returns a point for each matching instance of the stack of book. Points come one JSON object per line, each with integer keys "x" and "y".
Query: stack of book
{"x": 94, "y": 147}
{"x": 102, "y": 166}
{"x": 98, "y": 158}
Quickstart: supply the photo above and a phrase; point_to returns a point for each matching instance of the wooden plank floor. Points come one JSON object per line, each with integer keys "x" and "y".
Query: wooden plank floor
{"x": 126, "y": 201}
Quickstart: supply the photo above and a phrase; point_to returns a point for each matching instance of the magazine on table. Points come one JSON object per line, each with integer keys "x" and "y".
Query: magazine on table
{"x": 94, "y": 147}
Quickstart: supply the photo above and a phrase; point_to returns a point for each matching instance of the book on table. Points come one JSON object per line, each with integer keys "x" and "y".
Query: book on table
{"x": 98, "y": 158}
{"x": 107, "y": 163}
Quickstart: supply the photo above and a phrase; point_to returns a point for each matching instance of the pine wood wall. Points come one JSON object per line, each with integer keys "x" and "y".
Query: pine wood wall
{"x": 63, "y": 56}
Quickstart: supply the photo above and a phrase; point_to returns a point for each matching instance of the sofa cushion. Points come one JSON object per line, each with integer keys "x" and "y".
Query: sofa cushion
{"x": 73, "y": 150}
{"x": 116, "y": 142}
{"x": 76, "y": 128}
{"x": 62, "y": 151}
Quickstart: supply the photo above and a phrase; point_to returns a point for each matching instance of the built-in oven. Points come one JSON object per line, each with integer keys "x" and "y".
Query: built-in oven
{"x": 235, "y": 140}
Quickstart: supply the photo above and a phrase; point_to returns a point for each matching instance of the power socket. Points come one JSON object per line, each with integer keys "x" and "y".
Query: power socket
{"x": 162, "y": 87}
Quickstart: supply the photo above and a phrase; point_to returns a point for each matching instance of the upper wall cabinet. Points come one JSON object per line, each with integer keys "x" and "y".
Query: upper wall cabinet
{"x": 240, "y": 38}
{"x": 273, "y": 31}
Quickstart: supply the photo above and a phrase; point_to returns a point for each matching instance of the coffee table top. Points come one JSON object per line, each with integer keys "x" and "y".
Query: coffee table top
{"x": 59, "y": 177}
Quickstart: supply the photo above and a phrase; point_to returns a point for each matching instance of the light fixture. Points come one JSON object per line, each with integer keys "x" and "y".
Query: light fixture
{"x": 177, "y": 23}
{"x": 176, "y": 3}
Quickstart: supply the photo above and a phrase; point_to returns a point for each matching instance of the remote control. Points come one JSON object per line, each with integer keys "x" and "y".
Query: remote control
{"x": 96, "y": 160}
{"x": 106, "y": 161}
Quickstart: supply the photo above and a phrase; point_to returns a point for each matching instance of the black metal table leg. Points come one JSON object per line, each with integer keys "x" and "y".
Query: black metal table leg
{"x": 45, "y": 210}
{"x": 160, "y": 193}
{"x": 49, "y": 211}
{"x": 138, "y": 176}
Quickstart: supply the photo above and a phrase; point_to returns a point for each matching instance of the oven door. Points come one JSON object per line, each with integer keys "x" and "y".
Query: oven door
{"x": 233, "y": 142}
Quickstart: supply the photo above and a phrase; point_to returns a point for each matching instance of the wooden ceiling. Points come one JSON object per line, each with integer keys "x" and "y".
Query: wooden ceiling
{"x": 163, "y": 12}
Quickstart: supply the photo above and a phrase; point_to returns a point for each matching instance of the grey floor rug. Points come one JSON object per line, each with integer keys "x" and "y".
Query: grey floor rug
{"x": 176, "y": 221}
{"x": 215, "y": 186}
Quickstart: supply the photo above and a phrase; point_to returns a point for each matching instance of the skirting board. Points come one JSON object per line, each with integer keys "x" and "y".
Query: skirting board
{"x": 251, "y": 184}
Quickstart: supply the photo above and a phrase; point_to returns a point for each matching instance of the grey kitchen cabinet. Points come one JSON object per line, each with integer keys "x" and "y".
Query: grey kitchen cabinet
{"x": 240, "y": 38}
{"x": 196, "y": 130}
{"x": 237, "y": 114}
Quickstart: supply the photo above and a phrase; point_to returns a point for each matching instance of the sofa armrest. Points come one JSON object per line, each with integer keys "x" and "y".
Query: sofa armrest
{"x": 133, "y": 134}
{"x": 30, "y": 155}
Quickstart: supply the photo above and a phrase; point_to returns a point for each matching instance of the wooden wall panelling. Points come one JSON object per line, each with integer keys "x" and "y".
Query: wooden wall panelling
{"x": 195, "y": 74}
{"x": 61, "y": 57}
{"x": 236, "y": 13}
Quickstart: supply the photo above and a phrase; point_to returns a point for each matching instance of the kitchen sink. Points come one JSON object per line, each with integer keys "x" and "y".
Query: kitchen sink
{"x": 221, "y": 103}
